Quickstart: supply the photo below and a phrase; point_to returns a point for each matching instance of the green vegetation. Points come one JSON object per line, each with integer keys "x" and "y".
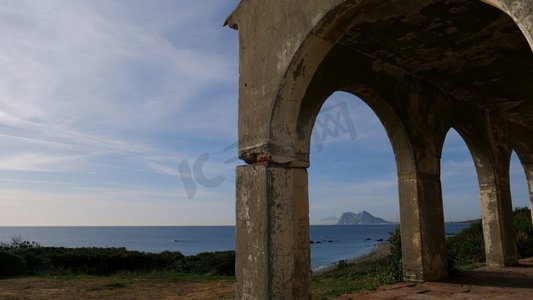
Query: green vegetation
{"x": 11, "y": 264}
{"x": 466, "y": 251}
{"x": 23, "y": 257}
{"x": 328, "y": 286}
{"x": 524, "y": 231}
{"x": 366, "y": 274}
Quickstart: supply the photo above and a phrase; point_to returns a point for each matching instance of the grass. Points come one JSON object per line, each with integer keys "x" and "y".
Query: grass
{"x": 367, "y": 273}
{"x": 196, "y": 276}
{"x": 130, "y": 275}
{"x": 325, "y": 287}
{"x": 123, "y": 285}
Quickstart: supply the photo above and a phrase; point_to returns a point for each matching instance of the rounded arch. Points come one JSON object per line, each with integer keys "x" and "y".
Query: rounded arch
{"x": 310, "y": 79}
{"x": 396, "y": 133}
{"x": 283, "y": 126}
{"x": 352, "y": 161}
{"x": 480, "y": 154}
{"x": 413, "y": 63}
{"x": 521, "y": 12}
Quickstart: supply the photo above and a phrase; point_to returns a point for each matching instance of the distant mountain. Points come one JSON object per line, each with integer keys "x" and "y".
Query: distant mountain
{"x": 362, "y": 218}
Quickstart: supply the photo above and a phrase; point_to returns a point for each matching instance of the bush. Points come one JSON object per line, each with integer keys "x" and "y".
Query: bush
{"x": 522, "y": 219}
{"x": 106, "y": 261}
{"x": 392, "y": 271}
{"x": 18, "y": 244}
{"x": 11, "y": 264}
{"x": 213, "y": 263}
{"x": 395, "y": 257}
{"x": 524, "y": 231}
{"x": 466, "y": 248}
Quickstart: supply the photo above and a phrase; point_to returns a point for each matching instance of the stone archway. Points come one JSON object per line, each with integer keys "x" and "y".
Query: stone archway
{"x": 492, "y": 168}
{"x": 423, "y": 66}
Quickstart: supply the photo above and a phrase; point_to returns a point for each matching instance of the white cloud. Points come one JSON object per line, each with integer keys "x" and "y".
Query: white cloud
{"x": 38, "y": 162}
{"x": 115, "y": 90}
{"x": 87, "y": 65}
{"x": 91, "y": 75}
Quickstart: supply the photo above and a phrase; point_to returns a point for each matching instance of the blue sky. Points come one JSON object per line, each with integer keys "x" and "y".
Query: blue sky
{"x": 125, "y": 113}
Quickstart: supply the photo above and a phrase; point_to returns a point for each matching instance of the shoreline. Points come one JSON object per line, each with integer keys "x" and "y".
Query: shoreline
{"x": 379, "y": 251}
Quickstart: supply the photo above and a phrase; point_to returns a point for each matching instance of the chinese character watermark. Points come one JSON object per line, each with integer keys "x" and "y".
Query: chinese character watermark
{"x": 334, "y": 121}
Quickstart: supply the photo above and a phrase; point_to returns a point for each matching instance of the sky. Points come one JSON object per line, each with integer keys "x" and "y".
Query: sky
{"x": 125, "y": 113}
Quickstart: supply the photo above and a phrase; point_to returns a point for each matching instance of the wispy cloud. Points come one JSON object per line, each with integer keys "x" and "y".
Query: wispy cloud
{"x": 110, "y": 92}
{"x": 91, "y": 75}
{"x": 37, "y": 162}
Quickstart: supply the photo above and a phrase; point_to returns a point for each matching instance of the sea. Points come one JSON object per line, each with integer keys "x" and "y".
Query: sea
{"x": 331, "y": 243}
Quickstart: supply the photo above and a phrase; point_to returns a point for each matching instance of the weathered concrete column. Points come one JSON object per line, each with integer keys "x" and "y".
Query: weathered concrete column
{"x": 422, "y": 227}
{"x": 273, "y": 256}
{"x": 497, "y": 215}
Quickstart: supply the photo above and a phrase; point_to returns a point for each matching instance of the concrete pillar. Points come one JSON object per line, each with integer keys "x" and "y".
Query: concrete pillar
{"x": 273, "y": 258}
{"x": 497, "y": 217}
{"x": 422, "y": 226}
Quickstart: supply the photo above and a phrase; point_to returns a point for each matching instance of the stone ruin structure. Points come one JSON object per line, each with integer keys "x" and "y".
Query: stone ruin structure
{"x": 423, "y": 66}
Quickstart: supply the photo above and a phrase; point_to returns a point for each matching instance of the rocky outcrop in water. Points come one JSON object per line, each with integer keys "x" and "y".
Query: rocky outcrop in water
{"x": 362, "y": 218}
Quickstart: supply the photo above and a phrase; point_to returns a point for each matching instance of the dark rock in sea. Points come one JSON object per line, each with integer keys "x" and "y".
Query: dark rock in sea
{"x": 362, "y": 218}
{"x": 330, "y": 241}
{"x": 380, "y": 240}
{"x": 318, "y": 242}
{"x": 311, "y": 242}
{"x": 368, "y": 239}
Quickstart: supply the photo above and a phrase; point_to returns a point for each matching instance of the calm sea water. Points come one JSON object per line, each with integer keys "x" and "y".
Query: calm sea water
{"x": 336, "y": 242}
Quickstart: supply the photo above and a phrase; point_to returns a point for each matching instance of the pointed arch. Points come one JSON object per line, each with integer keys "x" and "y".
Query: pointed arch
{"x": 492, "y": 170}
{"x": 460, "y": 185}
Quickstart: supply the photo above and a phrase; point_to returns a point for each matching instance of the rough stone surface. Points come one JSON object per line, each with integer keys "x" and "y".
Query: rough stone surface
{"x": 272, "y": 233}
{"x": 424, "y": 67}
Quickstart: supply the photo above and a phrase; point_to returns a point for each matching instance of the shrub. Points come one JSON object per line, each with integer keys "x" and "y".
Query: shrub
{"x": 524, "y": 231}
{"x": 522, "y": 219}
{"x": 395, "y": 258}
{"x": 392, "y": 272}
{"x": 106, "y": 261}
{"x": 467, "y": 247}
{"x": 18, "y": 244}
{"x": 11, "y": 264}
{"x": 214, "y": 263}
